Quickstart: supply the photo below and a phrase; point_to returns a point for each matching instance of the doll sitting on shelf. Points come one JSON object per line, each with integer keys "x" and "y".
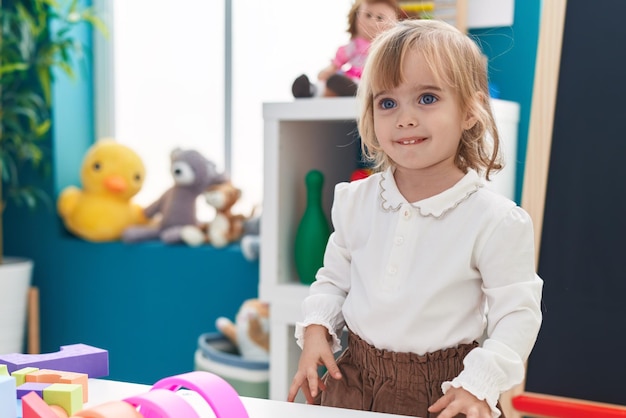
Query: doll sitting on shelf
{"x": 366, "y": 19}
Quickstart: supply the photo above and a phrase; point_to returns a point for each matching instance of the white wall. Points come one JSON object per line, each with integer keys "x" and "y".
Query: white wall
{"x": 168, "y": 82}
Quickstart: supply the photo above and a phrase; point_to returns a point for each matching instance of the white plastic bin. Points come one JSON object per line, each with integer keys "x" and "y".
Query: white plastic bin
{"x": 216, "y": 354}
{"x": 506, "y": 114}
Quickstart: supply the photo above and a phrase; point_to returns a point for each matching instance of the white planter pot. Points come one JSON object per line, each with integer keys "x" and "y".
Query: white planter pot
{"x": 15, "y": 278}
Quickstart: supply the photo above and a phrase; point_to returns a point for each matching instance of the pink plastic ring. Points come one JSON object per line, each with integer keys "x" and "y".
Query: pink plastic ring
{"x": 217, "y": 392}
{"x": 162, "y": 403}
{"x": 117, "y": 409}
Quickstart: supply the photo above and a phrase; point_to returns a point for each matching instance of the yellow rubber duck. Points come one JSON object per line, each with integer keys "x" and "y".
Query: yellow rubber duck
{"x": 111, "y": 174}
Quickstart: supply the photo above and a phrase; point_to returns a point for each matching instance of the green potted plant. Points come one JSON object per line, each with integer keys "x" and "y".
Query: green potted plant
{"x": 36, "y": 39}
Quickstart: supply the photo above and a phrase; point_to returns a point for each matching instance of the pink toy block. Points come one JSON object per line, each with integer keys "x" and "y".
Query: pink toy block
{"x": 114, "y": 409}
{"x": 162, "y": 403}
{"x": 67, "y": 396}
{"x": 7, "y": 397}
{"x": 35, "y": 407}
{"x": 79, "y": 358}
{"x": 217, "y": 392}
{"x": 29, "y": 387}
{"x": 57, "y": 376}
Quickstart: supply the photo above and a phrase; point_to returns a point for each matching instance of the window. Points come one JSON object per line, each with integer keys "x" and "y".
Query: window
{"x": 161, "y": 79}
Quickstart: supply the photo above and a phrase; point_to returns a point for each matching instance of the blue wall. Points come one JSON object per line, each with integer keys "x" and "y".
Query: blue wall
{"x": 148, "y": 303}
{"x": 512, "y": 53}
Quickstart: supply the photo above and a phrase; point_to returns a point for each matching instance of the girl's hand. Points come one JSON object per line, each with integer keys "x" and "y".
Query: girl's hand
{"x": 459, "y": 401}
{"x": 315, "y": 352}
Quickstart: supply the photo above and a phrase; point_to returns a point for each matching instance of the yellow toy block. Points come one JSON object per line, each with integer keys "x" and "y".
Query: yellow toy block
{"x": 67, "y": 396}
{"x": 4, "y": 370}
{"x": 57, "y": 376}
{"x": 20, "y": 375}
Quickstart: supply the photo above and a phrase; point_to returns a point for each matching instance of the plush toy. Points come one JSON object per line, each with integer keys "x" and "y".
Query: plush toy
{"x": 111, "y": 174}
{"x": 226, "y": 227}
{"x": 176, "y": 208}
{"x": 366, "y": 19}
{"x": 251, "y": 239}
{"x": 250, "y": 331}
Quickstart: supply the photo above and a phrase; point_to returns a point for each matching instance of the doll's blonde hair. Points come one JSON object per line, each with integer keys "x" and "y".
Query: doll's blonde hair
{"x": 354, "y": 11}
{"x": 457, "y": 61}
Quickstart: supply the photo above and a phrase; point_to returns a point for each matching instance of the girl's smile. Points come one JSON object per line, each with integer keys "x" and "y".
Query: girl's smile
{"x": 411, "y": 141}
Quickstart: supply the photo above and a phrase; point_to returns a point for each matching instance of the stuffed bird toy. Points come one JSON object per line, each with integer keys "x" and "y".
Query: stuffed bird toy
{"x": 111, "y": 174}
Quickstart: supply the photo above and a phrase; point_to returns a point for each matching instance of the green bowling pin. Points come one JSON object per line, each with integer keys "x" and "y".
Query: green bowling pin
{"x": 313, "y": 231}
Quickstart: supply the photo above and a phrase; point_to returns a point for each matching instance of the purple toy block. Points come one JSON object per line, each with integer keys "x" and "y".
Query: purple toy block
{"x": 26, "y": 388}
{"x": 78, "y": 358}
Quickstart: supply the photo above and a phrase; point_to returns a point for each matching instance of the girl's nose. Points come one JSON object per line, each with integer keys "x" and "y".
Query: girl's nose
{"x": 406, "y": 120}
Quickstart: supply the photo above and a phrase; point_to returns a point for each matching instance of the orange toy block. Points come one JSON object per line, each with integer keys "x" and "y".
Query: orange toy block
{"x": 67, "y": 396}
{"x": 114, "y": 409}
{"x": 57, "y": 376}
{"x": 20, "y": 375}
{"x": 35, "y": 407}
{"x": 60, "y": 412}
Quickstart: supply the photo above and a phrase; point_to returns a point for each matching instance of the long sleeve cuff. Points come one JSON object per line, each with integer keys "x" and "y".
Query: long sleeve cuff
{"x": 301, "y": 326}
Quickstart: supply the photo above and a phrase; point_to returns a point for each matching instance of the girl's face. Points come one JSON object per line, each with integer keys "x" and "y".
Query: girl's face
{"x": 419, "y": 123}
{"x": 372, "y": 19}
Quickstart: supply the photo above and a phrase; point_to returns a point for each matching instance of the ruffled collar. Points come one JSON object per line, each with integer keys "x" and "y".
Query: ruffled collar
{"x": 436, "y": 206}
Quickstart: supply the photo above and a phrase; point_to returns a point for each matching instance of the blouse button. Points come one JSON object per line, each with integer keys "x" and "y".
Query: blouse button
{"x": 392, "y": 270}
{"x": 406, "y": 214}
{"x": 399, "y": 240}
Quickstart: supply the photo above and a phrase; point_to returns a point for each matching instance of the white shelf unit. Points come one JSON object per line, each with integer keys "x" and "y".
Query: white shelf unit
{"x": 302, "y": 135}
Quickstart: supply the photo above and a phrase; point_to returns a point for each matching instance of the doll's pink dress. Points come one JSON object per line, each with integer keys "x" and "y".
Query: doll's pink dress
{"x": 350, "y": 58}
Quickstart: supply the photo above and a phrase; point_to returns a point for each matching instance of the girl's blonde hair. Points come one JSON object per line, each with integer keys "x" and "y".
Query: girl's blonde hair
{"x": 457, "y": 61}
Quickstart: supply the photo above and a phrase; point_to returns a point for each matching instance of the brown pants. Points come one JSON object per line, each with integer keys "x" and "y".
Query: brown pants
{"x": 395, "y": 383}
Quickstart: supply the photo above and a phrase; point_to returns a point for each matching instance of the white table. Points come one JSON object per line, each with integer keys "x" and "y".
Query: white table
{"x": 101, "y": 391}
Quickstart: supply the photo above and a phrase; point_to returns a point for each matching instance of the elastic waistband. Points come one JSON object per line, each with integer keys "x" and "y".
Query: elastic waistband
{"x": 437, "y": 365}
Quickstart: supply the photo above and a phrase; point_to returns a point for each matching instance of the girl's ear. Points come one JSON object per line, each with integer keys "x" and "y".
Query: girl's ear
{"x": 470, "y": 115}
{"x": 470, "y": 120}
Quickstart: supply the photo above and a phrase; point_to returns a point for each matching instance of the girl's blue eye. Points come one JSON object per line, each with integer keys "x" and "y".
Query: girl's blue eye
{"x": 427, "y": 99}
{"x": 387, "y": 104}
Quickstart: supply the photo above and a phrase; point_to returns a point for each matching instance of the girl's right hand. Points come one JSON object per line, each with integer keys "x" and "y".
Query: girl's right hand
{"x": 315, "y": 352}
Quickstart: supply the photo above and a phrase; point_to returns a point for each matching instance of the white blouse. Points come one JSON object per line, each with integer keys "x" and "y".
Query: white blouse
{"x": 425, "y": 276}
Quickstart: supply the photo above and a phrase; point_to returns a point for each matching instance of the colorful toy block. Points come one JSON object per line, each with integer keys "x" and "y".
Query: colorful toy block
{"x": 217, "y": 392}
{"x": 162, "y": 403}
{"x": 78, "y": 358}
{"x": 56, "y": 376}
{"x": 4, "y": 370}
{"x": 35, "y": 407}
{"x": 114, "y": 409}
{"x": 60, "y": 412}
{"x": 67, "y": 396}
{"x": 20, "y": 375}
{"x": 7, "y": 397}
{"x": 29, "y": 387}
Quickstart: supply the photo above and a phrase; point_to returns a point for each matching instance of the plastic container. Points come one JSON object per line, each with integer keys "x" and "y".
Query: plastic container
{"x": 506, "y": 114}
{"x": 216, "y": 354}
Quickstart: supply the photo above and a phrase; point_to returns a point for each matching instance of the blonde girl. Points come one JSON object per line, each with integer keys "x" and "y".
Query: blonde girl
{"x": 432, "y": 274}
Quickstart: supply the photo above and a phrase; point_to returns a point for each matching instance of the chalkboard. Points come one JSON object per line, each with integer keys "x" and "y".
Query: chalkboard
{"x": 581, "y": 349}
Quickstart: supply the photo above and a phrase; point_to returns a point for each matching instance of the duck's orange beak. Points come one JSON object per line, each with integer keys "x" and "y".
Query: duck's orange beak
{"x": 116, "y": 184}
